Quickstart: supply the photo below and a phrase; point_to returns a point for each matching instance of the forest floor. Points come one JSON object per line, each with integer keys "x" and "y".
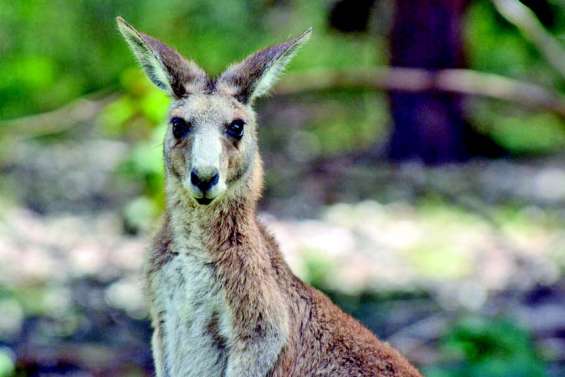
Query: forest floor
{"x": 411, "y": 251}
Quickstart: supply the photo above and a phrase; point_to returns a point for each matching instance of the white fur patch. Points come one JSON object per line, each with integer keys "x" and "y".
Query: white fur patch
{"x": 188, "y": 298}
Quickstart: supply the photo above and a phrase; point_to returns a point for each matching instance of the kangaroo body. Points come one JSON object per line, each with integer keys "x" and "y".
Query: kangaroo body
{"x": 195, "y": 326}
{"x": 223, "y": 301}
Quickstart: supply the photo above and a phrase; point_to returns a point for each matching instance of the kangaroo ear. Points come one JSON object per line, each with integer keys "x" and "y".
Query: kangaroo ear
{"x": 165, "y": 67}
{"x": 255, "y": 75}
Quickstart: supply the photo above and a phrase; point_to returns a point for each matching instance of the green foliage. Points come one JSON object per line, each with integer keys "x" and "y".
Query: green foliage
{"x": 7, "y": 367}
{"x": 522, "y": 133}
{"x": 138, "y": 111}
{"x": 489, "y": 348}
{"x": 145, "y": 165}
{"x": 55, "y": 51}
{"x": 496, "y": 46}
{"x": 493, "y": 45}
{"x": 317, "y": 268}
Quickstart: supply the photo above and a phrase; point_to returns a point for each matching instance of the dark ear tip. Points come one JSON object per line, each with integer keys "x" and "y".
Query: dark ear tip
{"x": 304, "y": 37}
{"x": 122, "y": 23}
{"x": 308, "y": 32}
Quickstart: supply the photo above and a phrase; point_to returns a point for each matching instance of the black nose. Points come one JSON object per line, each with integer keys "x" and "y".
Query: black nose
{"x": 204, "y": 181}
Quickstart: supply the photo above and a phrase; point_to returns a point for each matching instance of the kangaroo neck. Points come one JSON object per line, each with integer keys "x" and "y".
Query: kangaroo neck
{"x": 217, "y": 227}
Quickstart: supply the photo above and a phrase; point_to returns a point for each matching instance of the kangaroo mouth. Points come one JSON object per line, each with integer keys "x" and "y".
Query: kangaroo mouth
{"x": 204, "y": 201}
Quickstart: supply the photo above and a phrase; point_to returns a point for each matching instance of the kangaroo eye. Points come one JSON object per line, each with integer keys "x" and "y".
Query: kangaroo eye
{"x": 180, "y": 127}
{"x": 235, "y": 129}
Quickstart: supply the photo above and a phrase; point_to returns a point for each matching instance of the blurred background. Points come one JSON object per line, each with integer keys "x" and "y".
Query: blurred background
{"x": 415, "y": 157}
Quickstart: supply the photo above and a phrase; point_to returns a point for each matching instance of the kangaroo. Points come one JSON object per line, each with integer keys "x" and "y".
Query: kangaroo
{"x": 223, "y": 302}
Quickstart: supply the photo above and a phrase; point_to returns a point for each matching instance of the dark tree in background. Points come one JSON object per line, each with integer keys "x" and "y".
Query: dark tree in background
{"x": 428, "y": 126}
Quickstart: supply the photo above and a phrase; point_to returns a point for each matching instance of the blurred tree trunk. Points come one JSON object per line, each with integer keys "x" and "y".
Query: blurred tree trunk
{"x": 428, "y": 126}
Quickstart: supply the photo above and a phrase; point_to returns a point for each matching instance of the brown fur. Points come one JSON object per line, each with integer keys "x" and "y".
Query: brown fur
{"x": 323, "y": 341}
{"x": 263, "y": 320}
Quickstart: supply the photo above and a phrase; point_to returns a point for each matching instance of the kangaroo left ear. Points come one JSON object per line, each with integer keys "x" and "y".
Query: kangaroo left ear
{"x": 255, "y": 75}
{"x": 164, "y": 66}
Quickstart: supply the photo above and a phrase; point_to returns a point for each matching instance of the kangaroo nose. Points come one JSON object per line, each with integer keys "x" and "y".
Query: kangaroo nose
{"x": 204, "y": 181}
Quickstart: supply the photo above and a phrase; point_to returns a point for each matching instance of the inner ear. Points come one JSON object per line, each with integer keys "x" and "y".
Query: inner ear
{"x": 183, "y": 75}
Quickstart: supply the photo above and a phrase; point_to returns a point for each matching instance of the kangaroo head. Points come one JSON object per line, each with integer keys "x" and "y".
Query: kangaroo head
{"x": 210, "y": 146}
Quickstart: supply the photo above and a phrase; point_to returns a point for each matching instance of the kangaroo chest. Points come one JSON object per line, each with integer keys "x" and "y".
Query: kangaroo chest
{"x": 192, "y": 317}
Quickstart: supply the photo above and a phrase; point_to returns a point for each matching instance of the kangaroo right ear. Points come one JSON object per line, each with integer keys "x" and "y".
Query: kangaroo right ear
{"x": 165, "y": 67}
{"x": 255, "y": 75}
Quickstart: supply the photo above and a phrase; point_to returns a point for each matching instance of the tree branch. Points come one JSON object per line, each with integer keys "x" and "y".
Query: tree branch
{"x": 81, "y": 110}
{"x": 461, "y": 81}
{"x": 526, "y": 21}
